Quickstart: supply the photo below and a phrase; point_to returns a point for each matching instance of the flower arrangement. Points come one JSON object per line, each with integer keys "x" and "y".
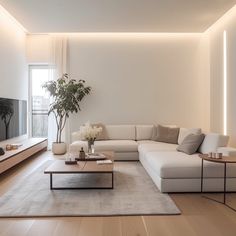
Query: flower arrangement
{"x": 88, "y": 132}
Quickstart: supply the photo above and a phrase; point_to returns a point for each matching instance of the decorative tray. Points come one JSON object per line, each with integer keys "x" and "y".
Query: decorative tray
{"x": 92, "y": 157}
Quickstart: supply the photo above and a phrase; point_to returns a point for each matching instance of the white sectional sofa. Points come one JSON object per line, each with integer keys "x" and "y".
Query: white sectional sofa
{"x": 122, "y": 140}
{"x": 171, "y": 171}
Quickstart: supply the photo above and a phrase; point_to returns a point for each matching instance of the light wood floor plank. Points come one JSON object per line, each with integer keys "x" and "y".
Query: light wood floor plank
{"x": 133, "y": 226}
{"x": 202, "y": 225}
{"x": 43, "y": 227}
{"x": 68, "y": 227}
{"x": 91, "y": 226}
{"x": 168, "y": 225}
{"x": 18, "y": 228}
{"x": 111, "y": 226}
{"x": 220, "y": 217}
{"x": 5, "y": 224}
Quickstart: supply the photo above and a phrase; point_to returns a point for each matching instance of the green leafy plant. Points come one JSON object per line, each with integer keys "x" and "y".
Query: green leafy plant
{"x": 67, "y": 94}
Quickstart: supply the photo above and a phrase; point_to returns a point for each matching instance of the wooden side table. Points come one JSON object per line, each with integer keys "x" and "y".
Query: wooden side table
{"x": 224, "y": 160}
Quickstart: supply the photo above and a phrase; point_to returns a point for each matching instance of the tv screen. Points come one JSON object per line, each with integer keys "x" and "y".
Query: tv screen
{"x": 13, "y": 118}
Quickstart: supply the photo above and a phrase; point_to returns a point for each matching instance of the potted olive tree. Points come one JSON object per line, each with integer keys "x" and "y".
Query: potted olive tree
{"x": 67, "y": 94}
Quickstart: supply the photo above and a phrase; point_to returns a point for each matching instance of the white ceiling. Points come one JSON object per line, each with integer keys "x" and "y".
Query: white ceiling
{"x": 42, "y": 16}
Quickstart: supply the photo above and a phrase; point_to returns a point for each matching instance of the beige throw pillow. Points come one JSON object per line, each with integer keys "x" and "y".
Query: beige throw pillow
{"x": 103, "y": 135}
{"x": 167, "y": 134}
{"x": 191, "y": 143}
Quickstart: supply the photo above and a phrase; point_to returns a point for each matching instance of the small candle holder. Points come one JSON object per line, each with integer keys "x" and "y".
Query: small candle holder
{"x": 210, "y": 154}
{"x": 8, "y": 147}
{"x": 215, "y": 155}
{"x": 219, "y": 155}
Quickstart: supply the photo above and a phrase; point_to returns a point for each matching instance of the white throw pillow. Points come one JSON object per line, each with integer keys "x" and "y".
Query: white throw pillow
{"x": 184, "y": 132}
{"x": 212, "y": 141}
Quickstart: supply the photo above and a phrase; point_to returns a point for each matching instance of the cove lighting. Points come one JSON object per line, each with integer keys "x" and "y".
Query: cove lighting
{"x": 124, "y": 34}
{"x": 225, "y": 82}
{"x": 6, "y": 14}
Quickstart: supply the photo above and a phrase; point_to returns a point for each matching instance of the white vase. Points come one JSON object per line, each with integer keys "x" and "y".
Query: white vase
{"x": 59, "y": 148}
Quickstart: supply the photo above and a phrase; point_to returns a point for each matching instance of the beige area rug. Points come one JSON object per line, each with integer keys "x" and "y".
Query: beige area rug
{"x": 134, "y": 193}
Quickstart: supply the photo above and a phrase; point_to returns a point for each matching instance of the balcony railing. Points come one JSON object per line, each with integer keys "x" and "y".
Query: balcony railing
{"x": 39, "y": 123}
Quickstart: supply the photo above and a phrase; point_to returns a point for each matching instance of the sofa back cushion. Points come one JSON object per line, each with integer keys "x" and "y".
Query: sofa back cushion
{"x": 144, "y": 132}
{"x": 167, "y": 134}
{"x": 212, "y": 141}
{"x": 184, "y": 132}
{"x": 119, "y": 132}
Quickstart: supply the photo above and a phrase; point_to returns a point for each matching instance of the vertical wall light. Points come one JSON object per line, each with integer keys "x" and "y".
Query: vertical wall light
{"x": 225, "y": 82}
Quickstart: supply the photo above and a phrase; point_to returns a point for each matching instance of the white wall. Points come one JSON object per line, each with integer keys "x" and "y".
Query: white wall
{"x": 161, "y": 78}
{"x": 38, "y": 49}
{"x": 137, "y": 78}
{"x": 13, "y": 68}
{"x": 226, "y": 23}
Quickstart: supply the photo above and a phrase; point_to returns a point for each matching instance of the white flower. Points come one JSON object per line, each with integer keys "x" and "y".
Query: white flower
{"x": 88, "y": 132}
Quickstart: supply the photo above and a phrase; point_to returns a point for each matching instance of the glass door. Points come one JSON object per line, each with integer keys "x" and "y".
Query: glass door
{"x": 39, "y": 101}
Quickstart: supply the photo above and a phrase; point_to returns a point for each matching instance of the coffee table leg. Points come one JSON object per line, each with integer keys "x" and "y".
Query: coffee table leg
{"x": 224, "y": 182}
{"x": 112, "y": 177}
{"x": 225, "y": 176}
{"x": 51, "y": 181}
{"x": 202, "y": 176}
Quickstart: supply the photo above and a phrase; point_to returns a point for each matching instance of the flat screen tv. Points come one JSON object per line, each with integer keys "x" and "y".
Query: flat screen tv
{"x": 13, "y": 118}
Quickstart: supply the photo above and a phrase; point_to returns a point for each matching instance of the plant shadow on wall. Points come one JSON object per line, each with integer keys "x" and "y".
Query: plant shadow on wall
{"x": 66, "y": 94}
{"x": 6, "y": 113}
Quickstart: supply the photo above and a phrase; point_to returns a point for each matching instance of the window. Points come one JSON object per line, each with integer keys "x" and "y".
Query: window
{"x": 39, "y": 100}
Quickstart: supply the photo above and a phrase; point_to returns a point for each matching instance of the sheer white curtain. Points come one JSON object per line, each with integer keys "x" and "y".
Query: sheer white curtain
{"x": 58, "y": 66}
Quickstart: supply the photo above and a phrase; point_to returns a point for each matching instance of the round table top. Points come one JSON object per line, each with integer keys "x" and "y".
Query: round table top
{"x": 224, "y": 159}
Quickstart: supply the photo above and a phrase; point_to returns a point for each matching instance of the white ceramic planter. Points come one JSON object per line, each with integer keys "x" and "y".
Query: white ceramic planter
{"x": 59, "y": 148}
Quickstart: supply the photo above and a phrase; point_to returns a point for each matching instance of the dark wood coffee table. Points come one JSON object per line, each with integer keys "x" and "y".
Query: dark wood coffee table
{"x": 82, "y": 167}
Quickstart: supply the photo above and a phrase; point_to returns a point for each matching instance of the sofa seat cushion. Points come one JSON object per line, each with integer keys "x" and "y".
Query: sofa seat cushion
{"x": 106, "y": 145}
{"x": 116, "y": 145}
{"x": 145, "y": 141}
{"x": 178, "y": 165}
{"x": 150, "y": 146}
